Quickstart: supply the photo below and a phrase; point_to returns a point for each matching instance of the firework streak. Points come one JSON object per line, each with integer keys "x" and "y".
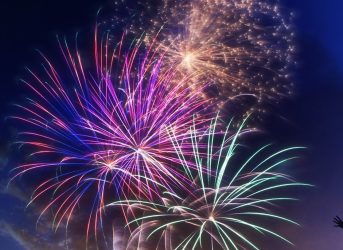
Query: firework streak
{"x": 228, "y": 205}
{"x": 106, "y": 131}
{"x": 244, "y": 49}
{"x": 129, "y": 131}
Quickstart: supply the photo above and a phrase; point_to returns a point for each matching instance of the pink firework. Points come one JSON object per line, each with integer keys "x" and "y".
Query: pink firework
{"x": 105, "y": 134}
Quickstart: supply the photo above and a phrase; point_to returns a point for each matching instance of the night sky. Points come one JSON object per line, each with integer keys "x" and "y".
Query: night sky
{"x": 313, "y": 117}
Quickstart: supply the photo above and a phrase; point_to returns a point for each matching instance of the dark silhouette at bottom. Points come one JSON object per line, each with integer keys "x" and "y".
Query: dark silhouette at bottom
{"x": 338, "y": 222}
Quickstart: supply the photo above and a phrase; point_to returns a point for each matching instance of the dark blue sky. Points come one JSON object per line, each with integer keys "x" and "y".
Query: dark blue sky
{"x": 323, "y": 20}
{"x": 316, "y": 118}
{"x": 313, "y": 117}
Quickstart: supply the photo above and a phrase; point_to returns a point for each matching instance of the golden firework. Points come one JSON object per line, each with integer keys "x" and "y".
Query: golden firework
{"x": 243, "y": 50}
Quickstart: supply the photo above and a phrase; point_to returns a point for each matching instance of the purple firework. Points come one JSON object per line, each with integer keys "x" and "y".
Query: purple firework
{"x": 107, "y": 129}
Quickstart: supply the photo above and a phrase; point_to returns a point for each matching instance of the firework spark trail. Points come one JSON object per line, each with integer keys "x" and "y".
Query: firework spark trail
{"x": 105, "y": 130}
{"x": 227, "y": 208}
{"x": 121, "y": 130}
{"x": 245, "y": 48}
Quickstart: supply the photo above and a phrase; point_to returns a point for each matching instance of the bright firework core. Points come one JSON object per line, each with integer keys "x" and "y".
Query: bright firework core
{"x": 188, "y": 60}
{"x": 143, "y": 153}
{"x": 111, "y": 165}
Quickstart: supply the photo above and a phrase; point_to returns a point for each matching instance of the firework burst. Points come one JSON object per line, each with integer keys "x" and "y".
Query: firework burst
{"x": 228, "y": 206}
{"x": 243, "y": 49}
{"x": 103, "y": 133}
